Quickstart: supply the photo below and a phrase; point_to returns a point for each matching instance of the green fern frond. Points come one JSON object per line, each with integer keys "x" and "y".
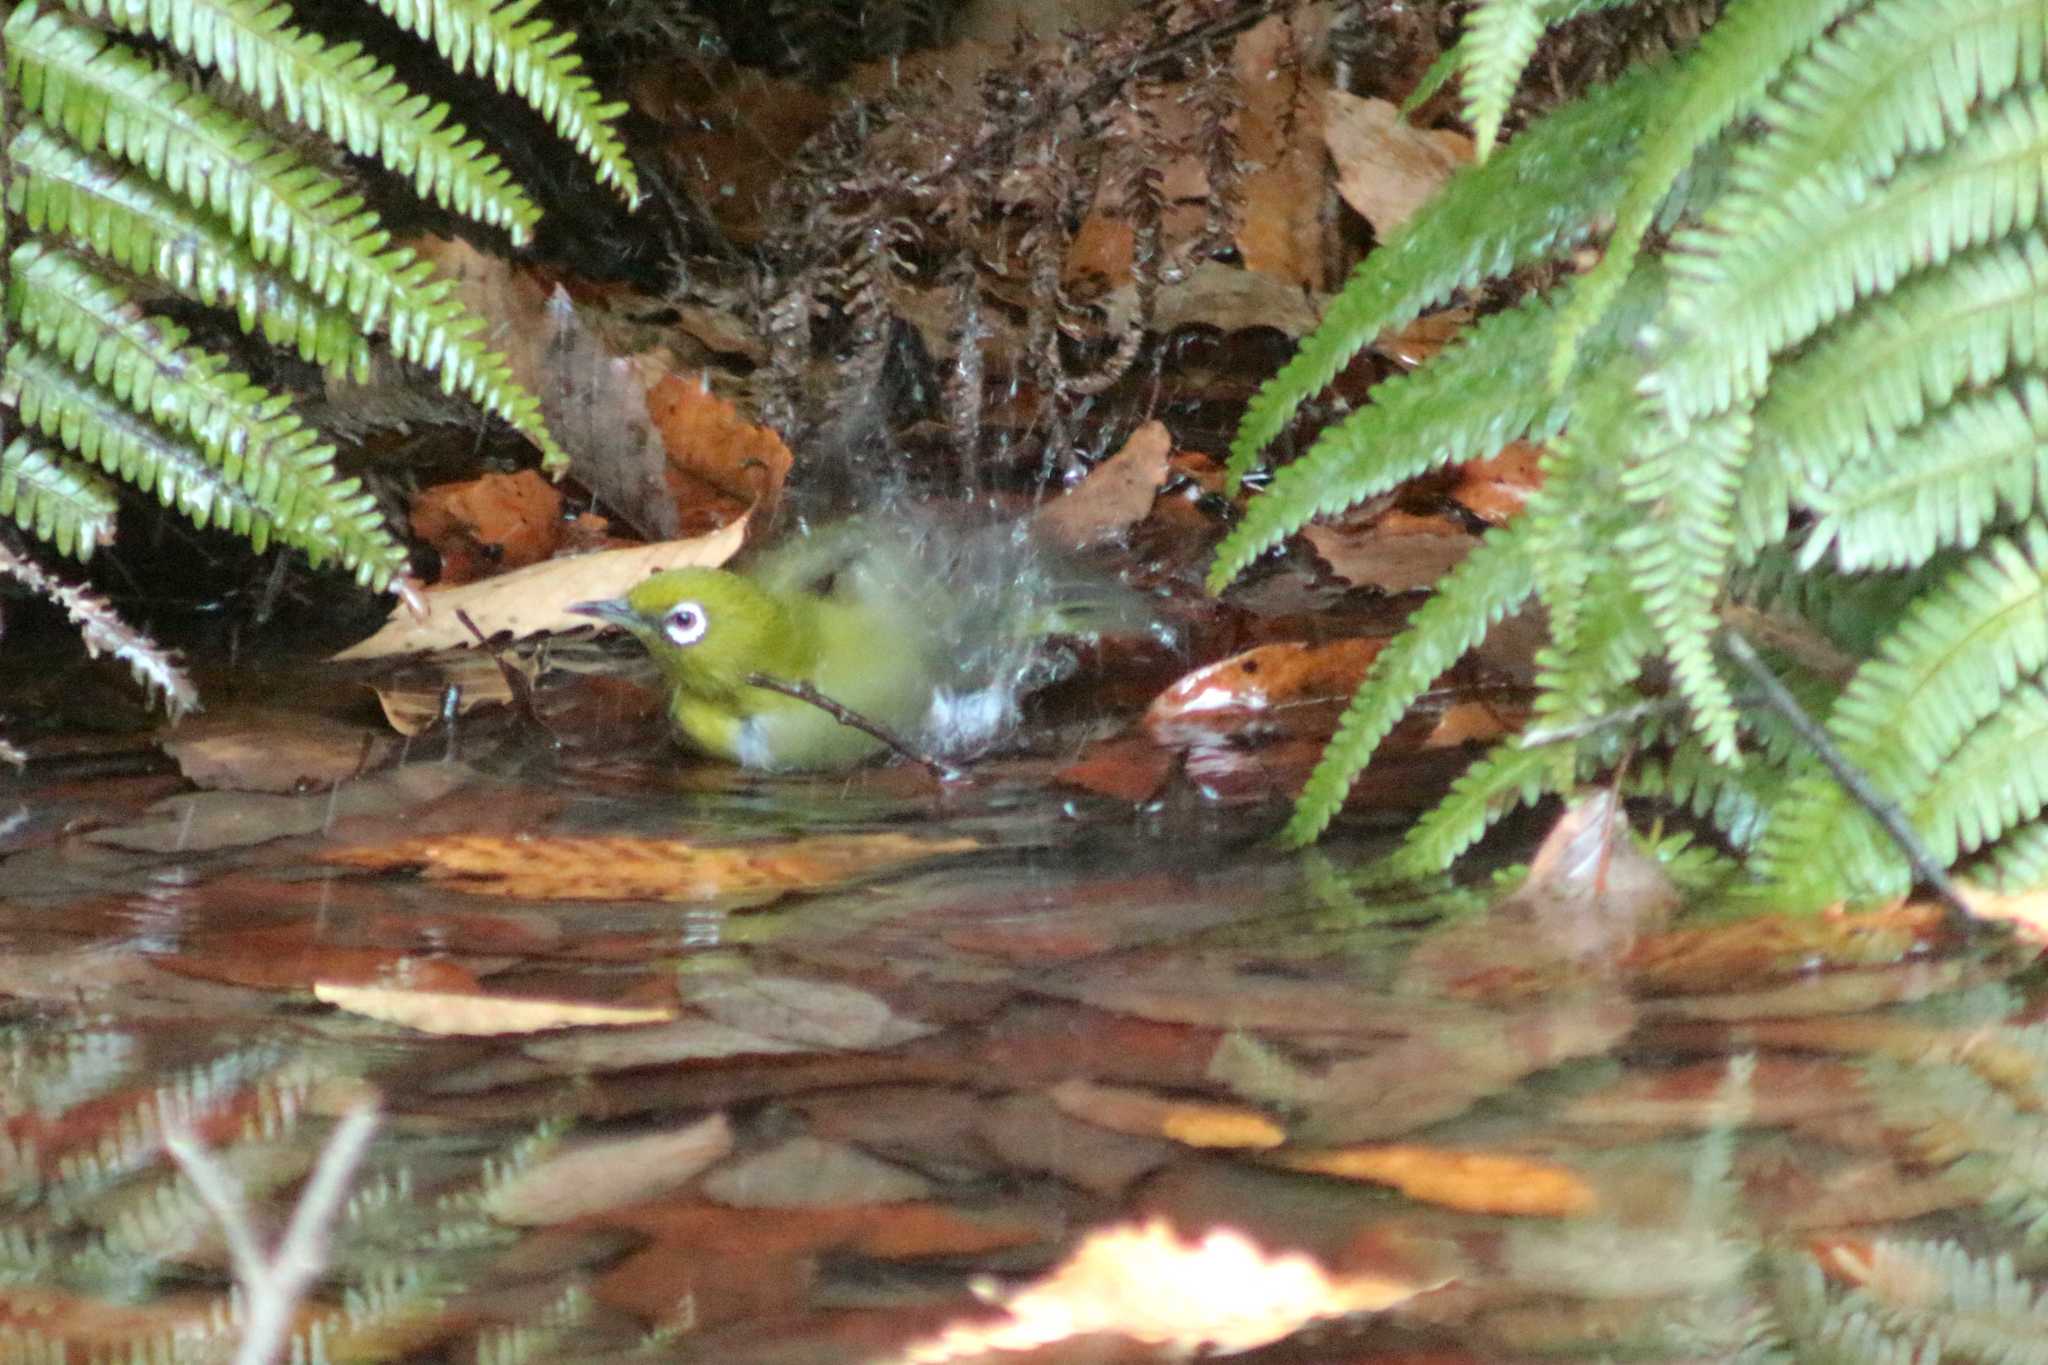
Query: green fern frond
{"x": 1681, "y": 551}
{"x": 55, "y": 499}
{"x": 1735, "y": 801}
{"x": 120, "y": 214}
{"x": 1490, "y": 583}
{"x": 1490, "y": 789}
{"x": 1473, "y": 399}
{"x": 1719, "y": 83}
{"x": 1899, "y": 78}
{"x": 1948, "y": 666}
{"x": 1887, "y": 367}
{"x": 496, "y": 39}
{"x": 93, "y": 425}
{"x": 1500, "y": 37}
{"x": 1996, "y": 781}
{"x": 109, "y": 98}
{"x": 336, "y": 91}
{"x": 249, "y": 434}
{"x": 1941, "y": 485}
{"x": 1542, "y": 194}
{"x": 1836, "y": 240}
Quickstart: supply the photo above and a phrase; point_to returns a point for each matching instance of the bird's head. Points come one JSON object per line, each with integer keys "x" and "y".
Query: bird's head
{"x": 706, "y": 628}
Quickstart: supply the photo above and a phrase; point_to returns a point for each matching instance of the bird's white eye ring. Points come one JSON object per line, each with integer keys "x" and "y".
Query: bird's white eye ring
{"x": 684, "y": 623}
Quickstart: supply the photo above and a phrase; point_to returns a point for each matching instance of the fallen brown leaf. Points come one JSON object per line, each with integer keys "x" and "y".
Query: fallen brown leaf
{"x": 1116, "y": 494}
{"x": 1472, "y": 1182}
{"x": 1496, "y": 488}
{"x": 1279, "y": 135}
{"x": 1386, "y": 166}
{"x": 620, "y": 867}
{"x": 264, "y": 749}
{"x": 592, "y": 1177}
{"x": 719, "y": 464}
{"x": 808, "y": 1173}
{"x": 1396, "y": 552}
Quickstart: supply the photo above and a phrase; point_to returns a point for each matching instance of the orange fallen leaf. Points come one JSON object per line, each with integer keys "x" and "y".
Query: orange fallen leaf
{"x": 1496, "y": 488}
{"x": 720, "y": 464}
{"x": 465, "y": 1014}
{"x": 1192, "y": 1123}
{"x": 1220, "y": 1292}
{"x": 488, "y": 525}
{"x": 618, "y": 867}
{"x": 1280, "y": 689}
{"x": 1473, "y": 1182}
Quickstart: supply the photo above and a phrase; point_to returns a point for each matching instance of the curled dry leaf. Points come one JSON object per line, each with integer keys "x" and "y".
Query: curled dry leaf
{"x": 1282, "y": 689}
{"x": 1220, "y": 1292}
{"x": 1192, "y": 1123}
{"x": 1386, "y": 166}
{"x": 1116, "y": 494}
{"x": 536, "y": 598}
{"x": 1473, "y": 1182}
{"x": 620, "y": 867}
{"x": 463, "y": 1014}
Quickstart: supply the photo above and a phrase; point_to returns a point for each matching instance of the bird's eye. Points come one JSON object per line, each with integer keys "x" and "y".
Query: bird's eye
{"x": 684, "y": 623}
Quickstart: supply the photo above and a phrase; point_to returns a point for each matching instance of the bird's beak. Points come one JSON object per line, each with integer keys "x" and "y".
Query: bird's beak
{"x": 613, "y": 611}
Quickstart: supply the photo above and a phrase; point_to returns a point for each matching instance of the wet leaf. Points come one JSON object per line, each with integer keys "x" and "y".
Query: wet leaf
{"x": 214, "y": 820}
{"x": 596, "y": 403}
{"x": 684, "y": 1040}
{"x": 1219, "y": 1292}
{"x": 1781, "y": 1090}
{"x": 1473, "y": 1182}
{"x": 536, "y": 598}
{"x": 807, "y": 1173}
{"x": 591, "y": 1177}
{"x": 1395, "y": 552}
{"x": 1748, "y": 953}
{"x": 490, "y": 524}
{"x": 1192, "y": 1123}
{"x": 1130, "y": 770}
{"x": 823, "y": 1014}
{"x": 1031, "y": 1133}
{"x": 622, "y": 867}
{"x": 1282, "y": 689}
{"x": 1386, "y": 166}
{"x": 467, "y": 1014}
{"x": 267, "y": 749}
{"x": 1116, "y": 494}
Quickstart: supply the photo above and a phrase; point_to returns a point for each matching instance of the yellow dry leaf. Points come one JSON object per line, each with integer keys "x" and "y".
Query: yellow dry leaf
{"x": 1474, "y": 1182}
{"x": 1192, "y": 1123}
{"x": 620, "y": 867}
{"x": 1222, "y": 1292}
{"x": 536, "y": 598}
{"x": 465, "y": 1014}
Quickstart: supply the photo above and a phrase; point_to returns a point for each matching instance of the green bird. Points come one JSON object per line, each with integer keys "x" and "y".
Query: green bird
{"x": 928, "y": 631}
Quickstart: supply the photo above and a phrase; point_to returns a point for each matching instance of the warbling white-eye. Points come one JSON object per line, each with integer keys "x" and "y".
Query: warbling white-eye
{"x": 931, "y": 632}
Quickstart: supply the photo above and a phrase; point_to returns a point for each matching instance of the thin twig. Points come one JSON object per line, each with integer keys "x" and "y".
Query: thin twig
{"x": 804, "y": 692}
{"x": 274, "y": 1284}
{"x": 524, "y": 699}
{"x": 1611, "y": 720}
{"x": 1926, "y": 868}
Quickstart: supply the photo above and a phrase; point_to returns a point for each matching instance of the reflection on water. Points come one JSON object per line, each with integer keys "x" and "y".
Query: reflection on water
{"x": 856, "y": 1101}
